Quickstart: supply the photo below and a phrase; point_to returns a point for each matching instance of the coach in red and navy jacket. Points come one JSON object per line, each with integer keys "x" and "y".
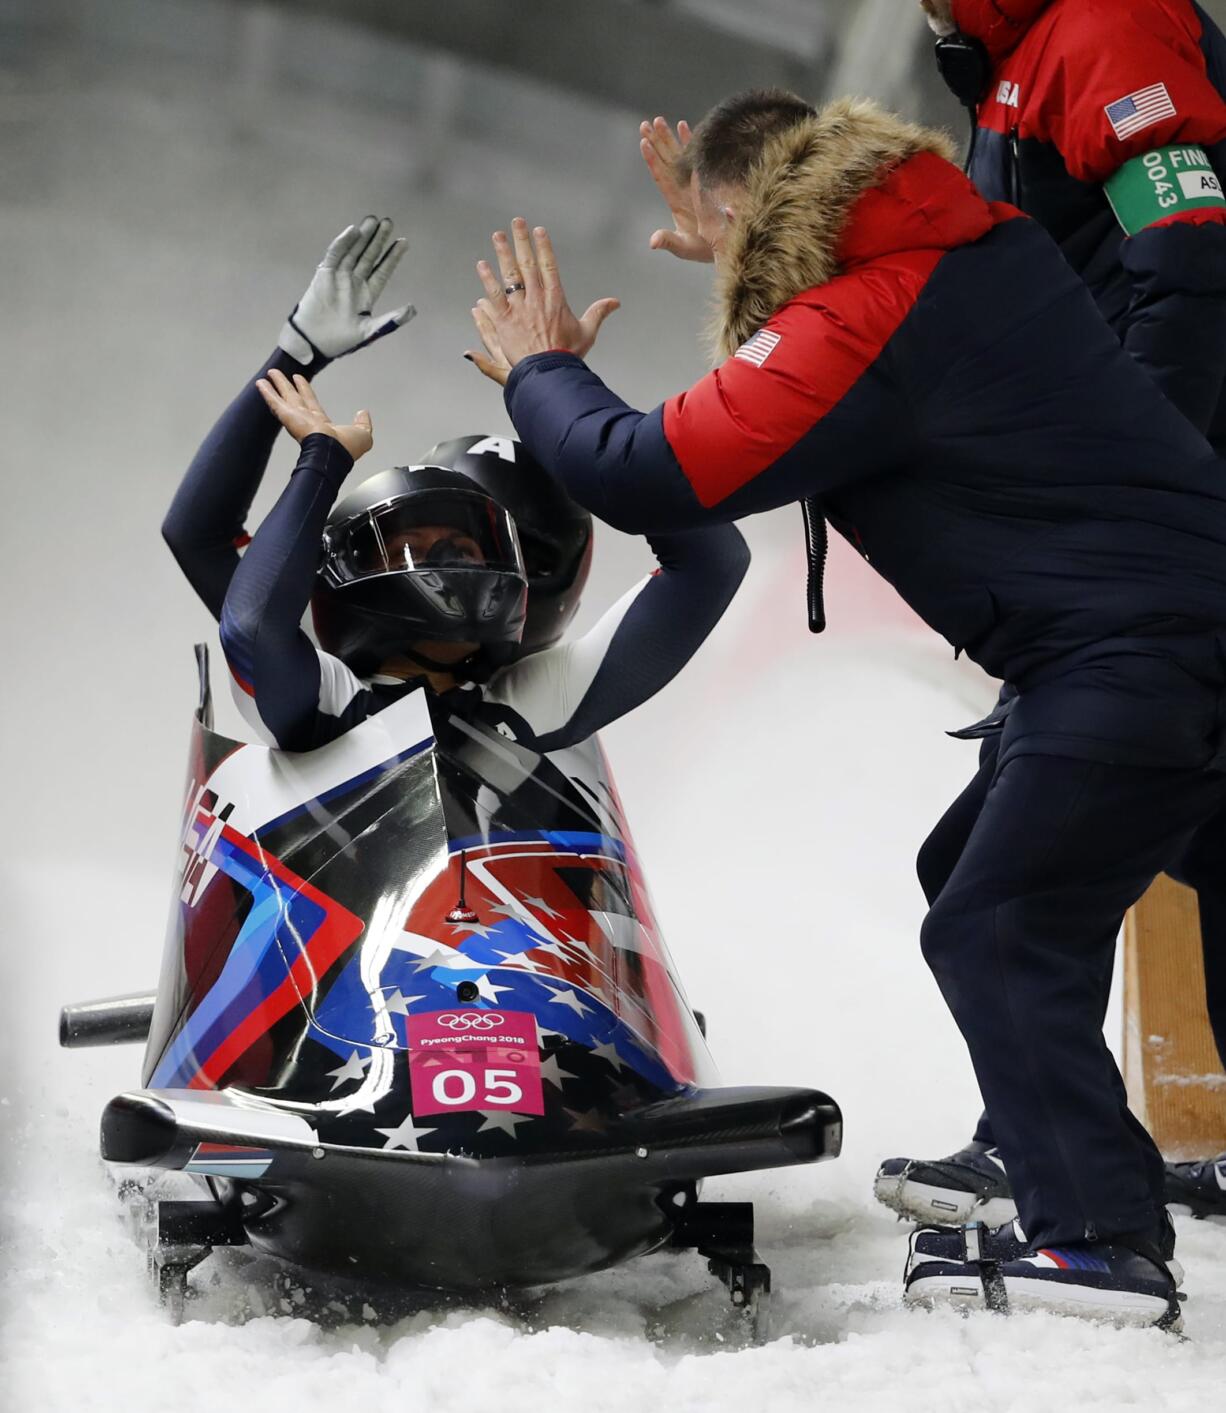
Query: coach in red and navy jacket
{"x": 1105, "y": 120}
{"x": 929, "y": 365}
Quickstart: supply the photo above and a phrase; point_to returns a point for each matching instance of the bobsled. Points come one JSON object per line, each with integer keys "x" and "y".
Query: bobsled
{"x": 416, "y": 1024}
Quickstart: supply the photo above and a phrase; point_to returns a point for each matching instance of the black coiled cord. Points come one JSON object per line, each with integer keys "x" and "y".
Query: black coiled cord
{"x": 817, "y": 546}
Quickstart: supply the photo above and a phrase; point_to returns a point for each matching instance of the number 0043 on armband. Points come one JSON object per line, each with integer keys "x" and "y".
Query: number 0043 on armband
{"x": 465, "y": 1060}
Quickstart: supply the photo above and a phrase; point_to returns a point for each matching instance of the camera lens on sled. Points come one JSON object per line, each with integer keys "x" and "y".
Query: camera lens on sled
{"x": 467, "y": 991}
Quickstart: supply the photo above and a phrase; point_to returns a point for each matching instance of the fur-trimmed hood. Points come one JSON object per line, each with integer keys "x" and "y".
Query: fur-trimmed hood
{"x": 791, "y": 232}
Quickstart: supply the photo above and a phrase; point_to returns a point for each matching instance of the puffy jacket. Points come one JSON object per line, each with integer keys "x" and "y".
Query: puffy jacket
{"x": 1078, "y": 90}
{"x": 929, "y": 365}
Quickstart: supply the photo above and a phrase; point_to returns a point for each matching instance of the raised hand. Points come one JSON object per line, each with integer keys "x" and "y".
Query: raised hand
{"x": 525, "y": 309}
{"x": 296, "y": 407}
{"x": 336, "y": 314}
{"x": 661, "y": 147}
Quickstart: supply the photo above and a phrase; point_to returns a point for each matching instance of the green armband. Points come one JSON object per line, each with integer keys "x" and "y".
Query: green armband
{"x": 1163, "y": 183}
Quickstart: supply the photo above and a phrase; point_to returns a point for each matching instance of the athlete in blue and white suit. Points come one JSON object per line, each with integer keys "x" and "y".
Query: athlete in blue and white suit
{"x": 298, "y": 697}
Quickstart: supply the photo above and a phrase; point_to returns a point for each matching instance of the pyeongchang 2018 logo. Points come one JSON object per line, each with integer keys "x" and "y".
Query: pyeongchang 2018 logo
{"x": 458, "y": 1030}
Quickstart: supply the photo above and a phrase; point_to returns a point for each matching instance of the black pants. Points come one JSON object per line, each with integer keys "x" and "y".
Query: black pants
{"x": 1029, "y": 875}
{"x": 1201, "y": 866}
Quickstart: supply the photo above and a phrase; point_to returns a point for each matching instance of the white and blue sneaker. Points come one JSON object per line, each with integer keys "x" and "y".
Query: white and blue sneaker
{"x": 1003, "y": 1243}
{"x": 1127, "y": 1280}
{"x": 1199, "y": 1188}
{"x": 970, "y": 1185}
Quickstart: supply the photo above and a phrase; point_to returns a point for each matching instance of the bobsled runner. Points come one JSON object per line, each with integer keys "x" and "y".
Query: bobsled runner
{"x": 416, "y": 1023}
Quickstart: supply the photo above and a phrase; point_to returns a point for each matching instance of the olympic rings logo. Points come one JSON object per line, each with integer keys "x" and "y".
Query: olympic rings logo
{"x": 470, "y": 1020}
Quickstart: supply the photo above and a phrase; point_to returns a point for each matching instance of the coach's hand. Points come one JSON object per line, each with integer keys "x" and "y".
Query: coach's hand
{"x": 336, "y": 314}
{"x": 661, "y": 147}
{"x": 525, "y": 310}
{"x": 297, "y": 409}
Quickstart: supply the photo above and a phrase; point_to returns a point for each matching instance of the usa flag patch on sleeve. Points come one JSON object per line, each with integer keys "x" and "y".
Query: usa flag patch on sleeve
{"x": 759, "y": 348}
{"x": 1140, "y": 110}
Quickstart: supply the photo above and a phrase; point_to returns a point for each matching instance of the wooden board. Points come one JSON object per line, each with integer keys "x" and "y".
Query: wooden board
{"x": 1176, "y": 1085}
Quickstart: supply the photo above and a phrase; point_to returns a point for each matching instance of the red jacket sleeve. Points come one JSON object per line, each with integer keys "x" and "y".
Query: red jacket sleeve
{"x": 1121, "y": 80}
{"x": 1108, "y": 52}
{"x": 811, "y": 363}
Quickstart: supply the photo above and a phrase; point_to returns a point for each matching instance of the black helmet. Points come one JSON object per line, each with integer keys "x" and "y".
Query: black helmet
{"x": 419, "y": 552}
{"x": 554, "y": 532}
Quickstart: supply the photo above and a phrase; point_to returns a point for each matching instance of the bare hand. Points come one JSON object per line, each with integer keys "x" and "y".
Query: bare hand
{"x": 525, "y": 310}
{"x": 661, "y": 147}
{"x": 297, "y": 408}
{"x": 492, "y": 362}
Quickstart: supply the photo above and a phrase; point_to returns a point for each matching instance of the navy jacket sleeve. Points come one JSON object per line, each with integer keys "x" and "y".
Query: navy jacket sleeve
{"x": 204, "y": 526}
{"x": 612, "y": 459}
{"x": 1176, "y": 322}
{"x": 271, "y": 659}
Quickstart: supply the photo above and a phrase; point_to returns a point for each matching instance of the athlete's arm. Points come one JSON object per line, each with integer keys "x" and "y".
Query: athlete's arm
{"x": 205, "y": 524}
{"x": 296, "y": 697}
{"x": 1138, "y": 113}
{"x": 572, "y": 690}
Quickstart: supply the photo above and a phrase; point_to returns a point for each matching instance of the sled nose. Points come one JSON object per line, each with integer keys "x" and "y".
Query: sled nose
{"x": 199, "y": 1130}
{"x": 140, "y": 1128}
{"x": 717, "y": 1131}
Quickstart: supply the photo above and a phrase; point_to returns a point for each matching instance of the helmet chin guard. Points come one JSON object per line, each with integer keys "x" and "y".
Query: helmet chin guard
{"x": 413, "y": 554}
{"x": 555, "y": 533}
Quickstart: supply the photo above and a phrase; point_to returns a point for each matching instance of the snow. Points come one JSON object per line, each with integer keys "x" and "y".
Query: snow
{"x": 778, "y": 793}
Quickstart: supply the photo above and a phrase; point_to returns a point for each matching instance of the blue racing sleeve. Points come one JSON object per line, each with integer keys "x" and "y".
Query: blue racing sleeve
{"x": 571, "y": 691}
{"x": 301, "y": 697}
{"x": 204, "y": 526}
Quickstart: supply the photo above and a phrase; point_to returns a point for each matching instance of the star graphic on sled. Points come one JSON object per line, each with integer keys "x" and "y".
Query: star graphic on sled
{"x": 554, "y": 1073}
{"x": 586, "y": 1121}
{"x": 444, "y": 957}
{"x": 555, "y": 949}
{"x": 488, "y": 991}
{"x": 475, "y": 929}
{"x": 502, "y": 1119}
{"x": 353, "y": 1068}
{"x": 608, "y": 1051}
{"x": 521, "y": 961}
{"x": 571, "y": 1001}
{"x": 405, "y": 1136}
{"x": 398, "y": 1003}
{"x": 580, "y": 947}
{"x": 540, "y": 905}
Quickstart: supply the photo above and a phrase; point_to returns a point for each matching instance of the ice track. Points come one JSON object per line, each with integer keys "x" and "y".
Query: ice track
{"x": 809, "y": 971}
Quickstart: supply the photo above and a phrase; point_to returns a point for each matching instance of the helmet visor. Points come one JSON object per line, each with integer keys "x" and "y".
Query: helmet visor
{"x": 429, "y": 530}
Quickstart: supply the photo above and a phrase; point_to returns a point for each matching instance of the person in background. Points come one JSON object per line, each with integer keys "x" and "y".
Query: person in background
{"x": 1107, "y": 124}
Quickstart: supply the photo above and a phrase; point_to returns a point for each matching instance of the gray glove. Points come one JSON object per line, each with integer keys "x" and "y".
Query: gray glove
{"x": 334, "y": 316}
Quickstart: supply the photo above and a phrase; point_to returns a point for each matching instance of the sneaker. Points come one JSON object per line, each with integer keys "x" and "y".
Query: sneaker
{"x": 975, "y": 1242}
{"x": 1124, "y": 1280}
{"x": 1198, "y": 1187}
{"x": 970, "y": 1185}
